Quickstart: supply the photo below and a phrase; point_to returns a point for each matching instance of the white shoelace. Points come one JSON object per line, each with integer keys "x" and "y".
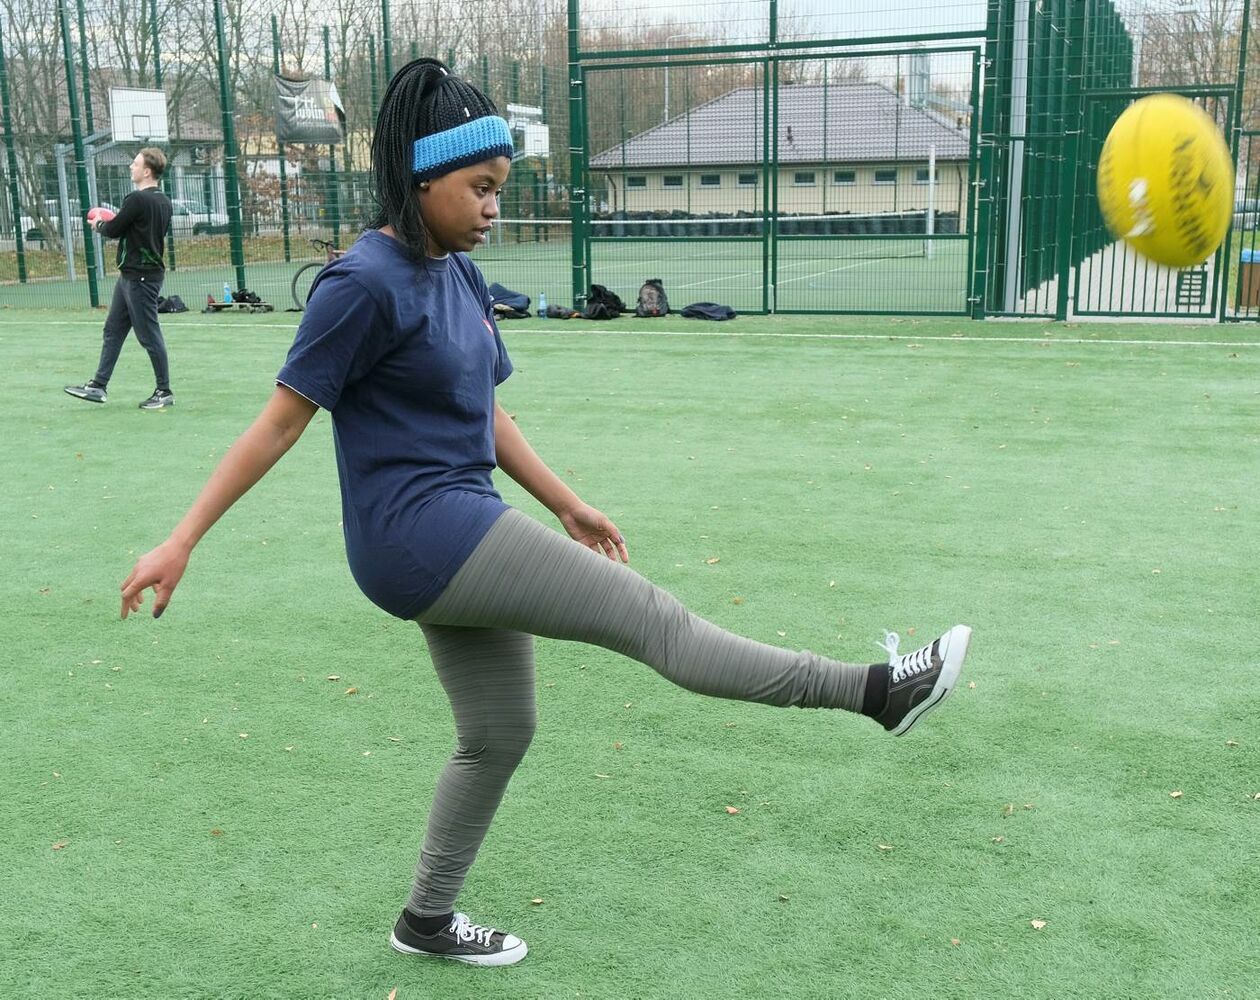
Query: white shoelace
{"x": 910, "y": 665}
{"x": 466, "y": 931}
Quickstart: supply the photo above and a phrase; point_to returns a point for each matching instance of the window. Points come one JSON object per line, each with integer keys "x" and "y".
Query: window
{"x": 710, "y": 180}
{"x": 886, "y": 175}
{"x": 803, "y": 178}
{"x": 844, "y": 177}
{"x": 672, "y": 181}
{"x": 636, "y": 181}
{"x": 747, "y": 180}
{"x": 922, "y": 175}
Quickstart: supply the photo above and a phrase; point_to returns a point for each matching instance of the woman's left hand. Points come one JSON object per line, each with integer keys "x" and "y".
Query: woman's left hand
{"x": 594, "y": 530}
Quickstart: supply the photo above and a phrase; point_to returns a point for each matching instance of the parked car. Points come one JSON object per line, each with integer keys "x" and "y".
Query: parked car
{"x": 192, "y": 218}
{"x": 33, "y": 231}
{"x": 1247, "y": 214}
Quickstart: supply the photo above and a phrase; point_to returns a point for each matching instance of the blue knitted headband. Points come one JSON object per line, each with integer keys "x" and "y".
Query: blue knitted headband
{"x": 474, "y": 141}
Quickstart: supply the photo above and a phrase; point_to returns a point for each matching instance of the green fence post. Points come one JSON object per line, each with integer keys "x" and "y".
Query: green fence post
{"x": 375, "y": 91}
{"x": 280, "y": 151}
{"x": 387, "y": 43}
{"x": 83, "y": 67}
{"x": 230, "y": 152}
{"x": 986, "y": 245}
{"x": 1074, "y": 120}
{"x": 11, "y": 154}
{"x": 514, "y": 90}
{"x": 577, "y": 157}
{"x": 765, "y": 187}
{"x": 80, "y": 165}
{"x": 334, "y": 202}
{"x": 1235, "y": 143}
{"x": 973, "y": 156}
{"x": 485, "y": 74}
{"x": 157, "y": 81}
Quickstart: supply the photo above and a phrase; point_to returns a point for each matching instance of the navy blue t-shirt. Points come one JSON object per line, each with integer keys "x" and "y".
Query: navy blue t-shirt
{"x": 405, "y": 357}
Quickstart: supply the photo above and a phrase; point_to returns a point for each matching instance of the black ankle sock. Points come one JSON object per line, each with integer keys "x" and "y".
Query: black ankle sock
{"x": 876, "y": 697}
{"x": 428, "y": 926}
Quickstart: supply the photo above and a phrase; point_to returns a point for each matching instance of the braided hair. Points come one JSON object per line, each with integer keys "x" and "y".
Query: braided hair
{"x": 423, "y": 98}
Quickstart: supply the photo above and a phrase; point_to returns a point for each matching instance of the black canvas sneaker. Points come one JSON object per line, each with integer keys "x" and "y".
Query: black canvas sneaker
{"x": 919, "y": 681}
{"x": 160, "y": 399}
{"x": 89, "y": 390}
{"x": 459, "y": 941}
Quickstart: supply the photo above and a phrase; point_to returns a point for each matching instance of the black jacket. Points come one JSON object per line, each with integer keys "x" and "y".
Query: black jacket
{"x": 140, "y": 228}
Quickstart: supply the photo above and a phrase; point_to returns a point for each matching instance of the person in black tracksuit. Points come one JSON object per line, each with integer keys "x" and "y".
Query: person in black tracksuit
{"x": 140, "y": 228}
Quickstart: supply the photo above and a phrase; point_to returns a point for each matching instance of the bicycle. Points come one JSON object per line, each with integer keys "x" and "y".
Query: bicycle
{"x": 300, "y": 289}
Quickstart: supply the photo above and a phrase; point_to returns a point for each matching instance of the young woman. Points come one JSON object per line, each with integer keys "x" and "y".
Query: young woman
{"x": 399, "y": 343}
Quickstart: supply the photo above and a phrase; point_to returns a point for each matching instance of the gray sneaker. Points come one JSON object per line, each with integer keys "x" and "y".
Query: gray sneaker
{"x": 89, "y": 390}
{"x": 160, "y": 399}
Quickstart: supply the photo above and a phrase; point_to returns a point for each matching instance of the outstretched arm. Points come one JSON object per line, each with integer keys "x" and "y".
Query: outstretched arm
{"x": 280, "y": 424}
{"x": 583, "y": 522}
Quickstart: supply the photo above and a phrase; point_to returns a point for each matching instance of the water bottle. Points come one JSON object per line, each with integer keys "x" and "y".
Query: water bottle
{"x": 227, "y": 292}
{"x": 542, "y": 305}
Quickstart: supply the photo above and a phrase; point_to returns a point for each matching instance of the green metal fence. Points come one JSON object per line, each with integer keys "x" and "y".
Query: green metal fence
{"x": 887, "y": 157}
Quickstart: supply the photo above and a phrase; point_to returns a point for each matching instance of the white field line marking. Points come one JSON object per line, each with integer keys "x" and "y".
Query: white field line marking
{"x": 734, "y": 334}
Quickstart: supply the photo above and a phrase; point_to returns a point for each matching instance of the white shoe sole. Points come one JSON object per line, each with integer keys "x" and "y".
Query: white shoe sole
{"x": 509, "y": 957}
{"x": 953, "y": 651}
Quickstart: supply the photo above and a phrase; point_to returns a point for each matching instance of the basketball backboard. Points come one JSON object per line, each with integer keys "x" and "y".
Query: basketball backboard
{"x": 138, "y": 115}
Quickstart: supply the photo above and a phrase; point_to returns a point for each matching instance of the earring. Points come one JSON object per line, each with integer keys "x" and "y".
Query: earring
{"x": 424, "y": 185}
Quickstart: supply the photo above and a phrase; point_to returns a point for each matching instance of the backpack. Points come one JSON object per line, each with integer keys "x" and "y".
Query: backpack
{"x": 609, "y": 300}
{"x": 598, "y": 310}
{"x": 707, "y": 310}
{"x": 652, "y": 300}
{"x": 172, "y": 305}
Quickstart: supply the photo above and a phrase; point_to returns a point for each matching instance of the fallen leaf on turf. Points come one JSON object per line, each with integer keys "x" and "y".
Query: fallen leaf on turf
{"x": 537, "y": 900}
{"x": 56, "y": 774}
{"x": 782, "y": 634}
{"x": 352, "y": 690}
{"x": 715, "y": 559}
{"x": 955, "y": 942}
{"x": 1174, "y": 795}
{"x": 394, "y": 739}
{"x": 627, "y": 704}
{"x": 60, "y": 844}
{"x": 1231, "y": 743}
{"x": 732, "y": 811}
{"x": 971, "y": 685}
{"x": 598, "y": 775}
{"x": 737, "y": 600}
{"x": 782, "y": 898}
{"x": 1256, "y": 797}
{"x": 216, "y": 832}
{"x": 334, "y": 677}
{"x": 1029, "y": 805}
{"x": 998, "y": 840}
{"x": 393, "y": 994}
{"x": 367, "y": 753}
{"x": 884, "y": 847}
{"x": 243, "y": 736}
{"x": 618, "y": 745}
{"x": 1008, "y": 809}
{"x": 1037, "y": 924}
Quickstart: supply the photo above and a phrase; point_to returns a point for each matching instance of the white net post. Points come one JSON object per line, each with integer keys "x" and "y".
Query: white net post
{"x": 930, "y": 221}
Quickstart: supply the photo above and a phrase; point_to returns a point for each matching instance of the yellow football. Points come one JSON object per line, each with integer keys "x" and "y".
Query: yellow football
{"x": 1166, "y": 181}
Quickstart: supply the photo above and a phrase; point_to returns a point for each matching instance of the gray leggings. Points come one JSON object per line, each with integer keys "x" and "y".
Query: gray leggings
{"x": 523, "y": 580}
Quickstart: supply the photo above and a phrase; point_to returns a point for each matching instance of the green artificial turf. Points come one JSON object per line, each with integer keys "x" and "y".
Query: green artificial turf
{"x": 228, "y": 803}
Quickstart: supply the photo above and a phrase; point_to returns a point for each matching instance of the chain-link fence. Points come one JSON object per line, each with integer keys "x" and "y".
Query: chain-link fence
{"x": 773, "y": 155}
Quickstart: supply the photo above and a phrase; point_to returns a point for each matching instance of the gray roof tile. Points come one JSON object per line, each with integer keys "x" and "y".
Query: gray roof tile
{"x": 865, "y": 122}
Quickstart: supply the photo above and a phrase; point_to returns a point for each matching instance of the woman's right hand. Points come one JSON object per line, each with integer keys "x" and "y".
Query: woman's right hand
{"x": 160, "y": 569}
